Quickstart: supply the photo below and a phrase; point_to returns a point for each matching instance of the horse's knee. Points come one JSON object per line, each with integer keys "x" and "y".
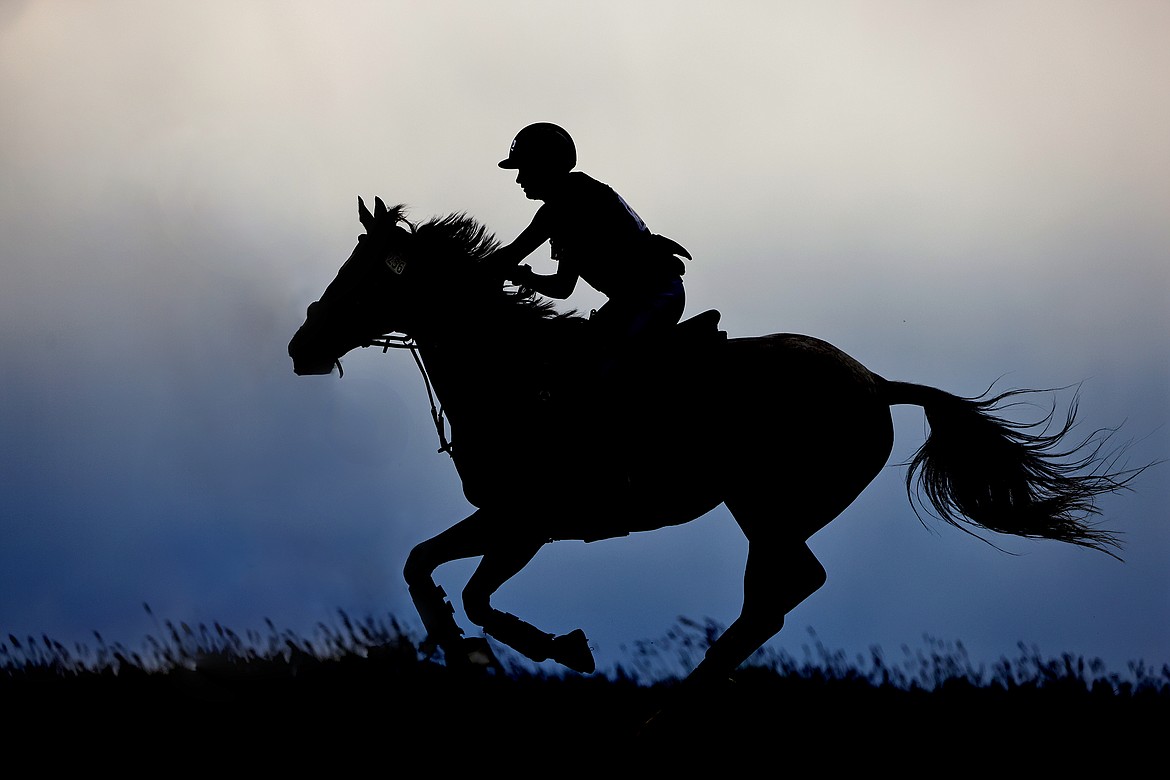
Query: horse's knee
{"x": 419, "y": 566}
{"x": 477, "y": 604}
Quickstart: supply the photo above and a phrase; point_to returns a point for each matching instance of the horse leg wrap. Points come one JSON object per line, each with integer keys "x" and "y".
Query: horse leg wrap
{"x": 520, "y": 636}
{"x": 437, "y": 614}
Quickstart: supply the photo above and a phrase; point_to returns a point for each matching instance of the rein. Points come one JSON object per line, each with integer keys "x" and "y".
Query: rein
{"x": 393, "y": 341}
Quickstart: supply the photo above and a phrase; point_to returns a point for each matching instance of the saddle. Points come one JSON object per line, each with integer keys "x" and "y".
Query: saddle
{"x": 700, "y": 330}
{"x": 581, "y": 375}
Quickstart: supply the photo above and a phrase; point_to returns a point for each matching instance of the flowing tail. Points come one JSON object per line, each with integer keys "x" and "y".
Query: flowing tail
{"x": 978, "y": 469}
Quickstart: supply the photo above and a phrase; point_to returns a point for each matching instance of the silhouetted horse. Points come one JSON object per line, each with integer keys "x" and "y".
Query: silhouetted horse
{"x": 785, "y": 430}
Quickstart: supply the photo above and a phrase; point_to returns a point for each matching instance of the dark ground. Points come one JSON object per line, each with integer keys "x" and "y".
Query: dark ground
{"x": 364, "y": 701}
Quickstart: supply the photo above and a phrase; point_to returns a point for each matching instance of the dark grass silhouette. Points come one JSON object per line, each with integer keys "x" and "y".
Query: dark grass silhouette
{"x": 361, "y": 690}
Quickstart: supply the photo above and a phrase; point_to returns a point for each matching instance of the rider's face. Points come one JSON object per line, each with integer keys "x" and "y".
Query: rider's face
{"x": 536, "y": 182}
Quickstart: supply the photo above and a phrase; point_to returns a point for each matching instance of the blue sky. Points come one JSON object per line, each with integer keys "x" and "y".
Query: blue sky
{"x": 953, "y": 193}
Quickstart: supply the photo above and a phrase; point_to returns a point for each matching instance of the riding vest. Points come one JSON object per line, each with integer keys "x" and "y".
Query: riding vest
{"x": 605, "y": 242}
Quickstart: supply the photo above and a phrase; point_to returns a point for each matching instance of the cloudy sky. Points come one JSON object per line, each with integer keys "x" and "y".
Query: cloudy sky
{"x": 954, "y": 193}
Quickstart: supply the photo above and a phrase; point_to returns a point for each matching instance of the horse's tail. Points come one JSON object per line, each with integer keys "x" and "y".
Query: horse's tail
{"x": 979, "y": 469}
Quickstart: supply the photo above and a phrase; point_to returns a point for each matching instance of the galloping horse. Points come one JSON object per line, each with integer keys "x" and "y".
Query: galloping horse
{"x": 785, "y": 430}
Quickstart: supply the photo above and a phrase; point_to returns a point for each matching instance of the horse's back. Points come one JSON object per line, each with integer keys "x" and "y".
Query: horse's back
{"x": 698, "y": 339}
{"x": 786, "y": 369}
{"x": 737, "y": 394}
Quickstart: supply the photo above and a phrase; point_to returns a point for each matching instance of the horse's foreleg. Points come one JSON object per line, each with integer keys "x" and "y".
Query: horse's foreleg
{"x": 437, "y": 614}
{"x": 465, "y": 539}
{"x": 497, "y": 567}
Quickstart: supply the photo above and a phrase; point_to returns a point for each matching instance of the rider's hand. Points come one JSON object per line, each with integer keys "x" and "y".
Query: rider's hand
{"x": 521, "y": 276}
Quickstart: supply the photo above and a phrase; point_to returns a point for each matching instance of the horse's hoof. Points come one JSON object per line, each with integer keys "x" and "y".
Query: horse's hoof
{"x": 572, "y": 650}
{"x": 429, "y": 649}
{"x": 471, "y": 654}
{"x": 478, "y": 652}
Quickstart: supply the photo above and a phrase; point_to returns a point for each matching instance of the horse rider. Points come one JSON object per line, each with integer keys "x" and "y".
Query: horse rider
{"x": 594, "y": 236}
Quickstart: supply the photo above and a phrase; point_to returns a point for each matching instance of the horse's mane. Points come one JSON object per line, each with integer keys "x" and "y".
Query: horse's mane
{"x": 457, "y": 234}
{"x": 463, "y": 244}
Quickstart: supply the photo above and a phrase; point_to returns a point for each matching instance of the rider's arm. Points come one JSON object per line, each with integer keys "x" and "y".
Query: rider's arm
{"x": 506, "y": 258}
{"x": 558, "y": 285}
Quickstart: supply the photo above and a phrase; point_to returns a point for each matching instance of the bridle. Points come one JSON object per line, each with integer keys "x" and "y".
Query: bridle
{"x": 395, "y": 341}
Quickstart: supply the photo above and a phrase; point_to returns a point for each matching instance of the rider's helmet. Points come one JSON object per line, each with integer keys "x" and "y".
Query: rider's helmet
{"x": 542, "y": 145}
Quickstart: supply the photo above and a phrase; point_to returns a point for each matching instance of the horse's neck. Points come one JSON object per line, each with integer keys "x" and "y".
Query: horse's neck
{"x": 478, "y": 370}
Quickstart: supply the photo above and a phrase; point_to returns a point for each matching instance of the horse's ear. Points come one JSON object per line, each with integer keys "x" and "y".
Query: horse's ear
{"x": 379, "y": 207}
{"x": 364, "y": 215}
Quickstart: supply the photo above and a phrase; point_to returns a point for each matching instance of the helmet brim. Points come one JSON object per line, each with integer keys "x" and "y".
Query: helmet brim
{"x": 509, "y": 164}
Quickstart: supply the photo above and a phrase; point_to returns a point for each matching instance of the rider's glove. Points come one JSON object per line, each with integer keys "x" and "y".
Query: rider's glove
{"x": 522, "y": 276}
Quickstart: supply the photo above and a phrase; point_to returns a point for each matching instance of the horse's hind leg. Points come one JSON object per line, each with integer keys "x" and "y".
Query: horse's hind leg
{"x": 781, "y": 572}
{"x": 780, "y": 575}
{"x": 781, "y": 569}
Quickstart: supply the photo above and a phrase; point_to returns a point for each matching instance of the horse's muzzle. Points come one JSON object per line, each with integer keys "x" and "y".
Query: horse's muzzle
{"x": 306, "y": 360}
{"x": 303, "y": 368}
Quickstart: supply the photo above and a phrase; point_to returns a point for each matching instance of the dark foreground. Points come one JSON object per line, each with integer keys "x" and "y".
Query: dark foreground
{"x": 365, "y": 701}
